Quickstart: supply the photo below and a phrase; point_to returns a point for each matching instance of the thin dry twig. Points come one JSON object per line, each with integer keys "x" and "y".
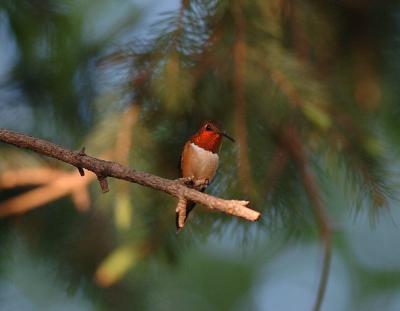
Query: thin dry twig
{"x": 105, "y": 169}
{"x": 293, "y": 143}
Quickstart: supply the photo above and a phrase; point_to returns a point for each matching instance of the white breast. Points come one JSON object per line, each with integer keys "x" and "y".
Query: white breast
{"x": 202, "y": 163}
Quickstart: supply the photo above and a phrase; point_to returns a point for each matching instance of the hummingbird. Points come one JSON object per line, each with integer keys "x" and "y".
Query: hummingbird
{"x": 199, "y": 160}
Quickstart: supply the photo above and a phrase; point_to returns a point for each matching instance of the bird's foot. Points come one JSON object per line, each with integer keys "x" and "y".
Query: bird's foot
{"x": 194, "y": 183}
{"x": 187, "y": 181}
{"x": 200, "y": 183}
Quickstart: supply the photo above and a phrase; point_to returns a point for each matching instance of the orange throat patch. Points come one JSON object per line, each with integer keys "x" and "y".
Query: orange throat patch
{"x": 208, "y": 140}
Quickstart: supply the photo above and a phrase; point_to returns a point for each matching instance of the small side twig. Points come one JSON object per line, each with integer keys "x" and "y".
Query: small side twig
{"x": 80, "y": 169}
{"x": 103, "y": 183}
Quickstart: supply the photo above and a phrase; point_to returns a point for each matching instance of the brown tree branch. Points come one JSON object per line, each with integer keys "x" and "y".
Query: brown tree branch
{"x": 104, "y": 169}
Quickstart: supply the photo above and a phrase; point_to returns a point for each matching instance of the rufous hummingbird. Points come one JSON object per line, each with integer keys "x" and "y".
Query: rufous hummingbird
{"x": 199, "y": 160}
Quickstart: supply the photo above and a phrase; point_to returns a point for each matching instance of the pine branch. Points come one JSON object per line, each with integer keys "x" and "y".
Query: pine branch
{"x": 292, "y": 141}
{"x": 239, "y": 57}
{"x": 104, "y": 169}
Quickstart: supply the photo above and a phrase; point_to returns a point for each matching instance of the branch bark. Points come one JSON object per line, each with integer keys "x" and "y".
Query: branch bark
{"x": 104, "y": 169}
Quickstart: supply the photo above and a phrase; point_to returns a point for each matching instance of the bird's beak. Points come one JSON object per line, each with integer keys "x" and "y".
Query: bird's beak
{"x": 227, "y": 136}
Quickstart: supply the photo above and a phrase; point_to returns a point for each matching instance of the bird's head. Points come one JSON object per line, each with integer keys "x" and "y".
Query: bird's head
{"x": 209, "y": 137}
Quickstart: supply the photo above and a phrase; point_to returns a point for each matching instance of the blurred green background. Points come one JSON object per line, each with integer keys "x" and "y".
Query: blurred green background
{"x": 310, "y": 92}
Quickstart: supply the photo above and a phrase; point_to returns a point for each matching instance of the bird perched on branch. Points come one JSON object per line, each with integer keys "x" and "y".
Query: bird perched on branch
{"x": 199, "y": 163}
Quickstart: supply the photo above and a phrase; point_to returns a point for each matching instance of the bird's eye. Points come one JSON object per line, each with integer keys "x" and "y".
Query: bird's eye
{"x": 208, "y": 127}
